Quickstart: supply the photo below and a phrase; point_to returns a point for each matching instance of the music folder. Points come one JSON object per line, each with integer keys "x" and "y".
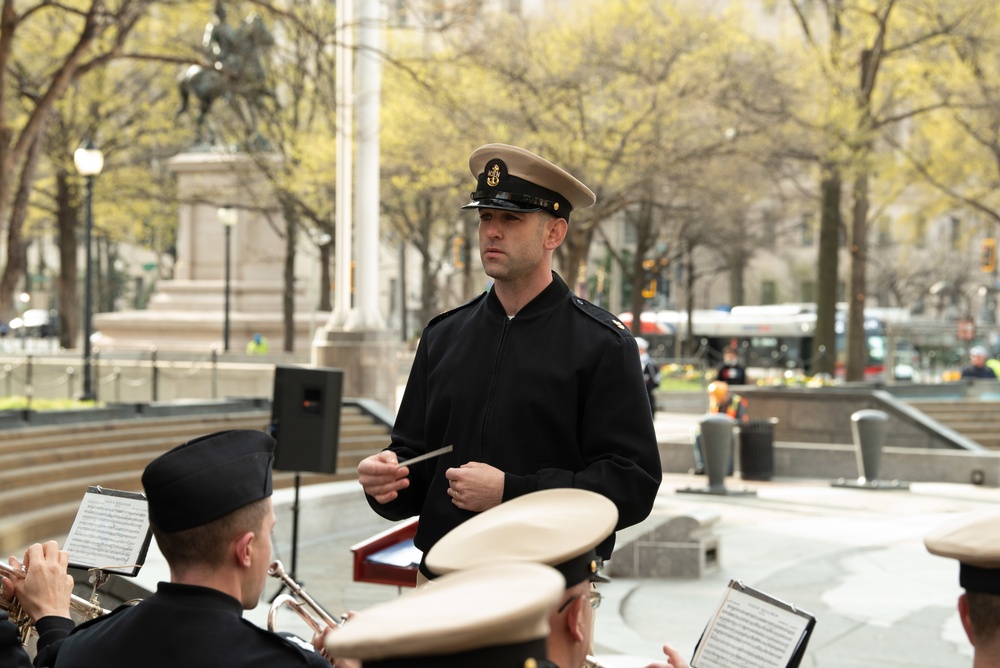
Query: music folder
{"x": 751, "y": 629}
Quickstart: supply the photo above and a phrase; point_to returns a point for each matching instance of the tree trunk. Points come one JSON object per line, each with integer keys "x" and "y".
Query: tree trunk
{"x": 67, "y": 297}
{"x": 15, "y": 226}
{"x": 825, "y": 352}
{"x": 856, "y": 348}
{"x": 288, "y": 302}
{"x": 693, "y": 342}
{"x": 324, "y": 278}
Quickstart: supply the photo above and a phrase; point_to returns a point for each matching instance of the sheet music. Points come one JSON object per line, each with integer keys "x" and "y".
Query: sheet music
{"x": 752, "y": 630}
{"x": 111, "y": 530}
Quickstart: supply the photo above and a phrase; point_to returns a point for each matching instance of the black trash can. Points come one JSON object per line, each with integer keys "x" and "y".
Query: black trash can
{"x": 757, "y": 449}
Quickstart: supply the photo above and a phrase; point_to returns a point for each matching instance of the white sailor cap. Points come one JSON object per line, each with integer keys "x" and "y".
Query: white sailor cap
{"x": 557, "y": 527}
{"x": 494, "y": 617}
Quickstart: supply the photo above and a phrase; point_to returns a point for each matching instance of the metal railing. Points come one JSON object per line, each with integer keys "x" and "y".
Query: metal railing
{"x": 134, "y": 377}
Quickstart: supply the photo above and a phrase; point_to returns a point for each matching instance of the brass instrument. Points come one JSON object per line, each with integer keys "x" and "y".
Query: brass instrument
{"x": 318, "y": 626}
{"x": 82, "y": 607}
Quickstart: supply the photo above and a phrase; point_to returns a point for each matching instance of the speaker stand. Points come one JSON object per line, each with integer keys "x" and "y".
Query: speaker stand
{"x": 295, "y": 538}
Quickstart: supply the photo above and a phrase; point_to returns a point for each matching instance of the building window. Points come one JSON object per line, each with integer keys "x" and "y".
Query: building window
{"x": 768, "y": 292}
{"x": 920, "y": 233}
{"x": 808, "y": 229}
{"x": 808, "y": 291}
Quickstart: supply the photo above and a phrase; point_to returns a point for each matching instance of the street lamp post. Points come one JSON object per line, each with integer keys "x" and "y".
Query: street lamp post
{"x": 89, "y": 162}
{"x": 227, "y": 216}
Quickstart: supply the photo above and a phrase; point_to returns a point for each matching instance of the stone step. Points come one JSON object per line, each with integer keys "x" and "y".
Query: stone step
{"x": 30, "y": 439}
{"x": 45, "y": 471}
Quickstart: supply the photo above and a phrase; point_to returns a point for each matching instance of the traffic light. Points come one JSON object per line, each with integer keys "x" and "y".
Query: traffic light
{"x": 458, "y": 252}
{"x": 988, "y": 259}
{"x": 649, "y": 291}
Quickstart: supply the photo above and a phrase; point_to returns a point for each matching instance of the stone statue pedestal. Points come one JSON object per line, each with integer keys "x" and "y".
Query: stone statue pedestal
{"x": 188, "y": 312}
{"x": 368, "y": 359}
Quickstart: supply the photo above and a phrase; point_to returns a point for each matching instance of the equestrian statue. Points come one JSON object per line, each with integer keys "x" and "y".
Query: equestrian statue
{"x": 235, "y": 73}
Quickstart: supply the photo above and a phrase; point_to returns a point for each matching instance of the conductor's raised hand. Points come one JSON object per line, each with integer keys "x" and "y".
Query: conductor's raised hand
{"x": 381, "y": 476}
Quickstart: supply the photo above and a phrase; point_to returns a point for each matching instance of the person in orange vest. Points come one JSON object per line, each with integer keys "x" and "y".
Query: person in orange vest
{"x": 721, "y": 400}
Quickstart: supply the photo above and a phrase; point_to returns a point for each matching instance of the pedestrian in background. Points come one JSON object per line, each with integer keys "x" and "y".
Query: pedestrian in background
{"x": 721, "y": 401}
{"x": 650, "y": 372}
{"x": 731, "y": 371}
{"x": 258, "y": 345}
{"x": 977, "y": 367}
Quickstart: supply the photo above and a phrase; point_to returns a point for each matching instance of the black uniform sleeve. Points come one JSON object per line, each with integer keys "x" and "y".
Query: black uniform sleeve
{"x": 11, "y": 651}
{"x": 408, "y": 442}
{"x": 51, "y": 632}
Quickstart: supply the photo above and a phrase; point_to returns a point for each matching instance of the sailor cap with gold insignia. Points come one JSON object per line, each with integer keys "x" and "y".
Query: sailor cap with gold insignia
{"x": 494, "y": 617}
{"x": 973, "y": 539}
{"x": 556, "y": 527}
{"x": 514, "y": 179}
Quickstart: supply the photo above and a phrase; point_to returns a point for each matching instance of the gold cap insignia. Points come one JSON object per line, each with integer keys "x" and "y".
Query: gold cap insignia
{"x": 493, "y": 176}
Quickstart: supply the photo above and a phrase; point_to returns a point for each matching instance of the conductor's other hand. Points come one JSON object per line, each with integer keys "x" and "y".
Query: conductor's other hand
{"x": 381, "y": 478}
{"x": 475, "y": 486}
{"x": 46, "y": 587}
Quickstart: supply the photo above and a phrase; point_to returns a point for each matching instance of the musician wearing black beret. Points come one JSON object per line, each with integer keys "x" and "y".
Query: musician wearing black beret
{"x": 211, "y": 514}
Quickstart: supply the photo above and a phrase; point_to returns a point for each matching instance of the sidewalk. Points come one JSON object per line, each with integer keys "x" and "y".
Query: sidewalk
{"x": 853, "y": 558}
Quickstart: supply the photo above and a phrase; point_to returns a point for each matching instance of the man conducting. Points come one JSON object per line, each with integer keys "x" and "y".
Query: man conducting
{"x": 533, "y": 387}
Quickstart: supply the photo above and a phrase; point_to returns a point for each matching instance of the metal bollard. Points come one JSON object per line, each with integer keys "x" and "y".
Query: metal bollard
{"x": 717, "y": 447}
{"x": 717, "y": 451}
{"x": 868, "y": 427}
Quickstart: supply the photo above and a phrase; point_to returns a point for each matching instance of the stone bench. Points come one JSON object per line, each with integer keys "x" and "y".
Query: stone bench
{"x": 684, "y": 546}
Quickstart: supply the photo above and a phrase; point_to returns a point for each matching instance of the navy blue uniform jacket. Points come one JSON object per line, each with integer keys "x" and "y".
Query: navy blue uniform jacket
{"x": 553, "y": 397}
{"x": 180, "y": 626}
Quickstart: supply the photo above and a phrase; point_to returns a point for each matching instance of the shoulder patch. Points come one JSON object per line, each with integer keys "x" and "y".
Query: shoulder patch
{"x": 600, "y": 315}
{"x": 442, "y": 316}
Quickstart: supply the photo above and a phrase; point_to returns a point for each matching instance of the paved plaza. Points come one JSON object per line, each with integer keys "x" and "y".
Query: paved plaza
{"x": 853, "y": 558}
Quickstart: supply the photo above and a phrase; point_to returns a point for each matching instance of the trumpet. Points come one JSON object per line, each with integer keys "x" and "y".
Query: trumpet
{"x": 298, "y": 606}
{"x": 82, "y": 607}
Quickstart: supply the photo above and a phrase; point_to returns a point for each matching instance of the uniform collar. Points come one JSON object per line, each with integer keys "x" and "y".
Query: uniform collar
{"x": 550, "y": 296}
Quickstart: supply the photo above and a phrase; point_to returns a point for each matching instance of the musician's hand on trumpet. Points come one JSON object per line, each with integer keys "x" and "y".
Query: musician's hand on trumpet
{"x": 318, "y": 643}
{"x": 46, "y": 588}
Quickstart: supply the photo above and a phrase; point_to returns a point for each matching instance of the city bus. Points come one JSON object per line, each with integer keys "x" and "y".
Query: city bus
{"x": 777, "y": 336}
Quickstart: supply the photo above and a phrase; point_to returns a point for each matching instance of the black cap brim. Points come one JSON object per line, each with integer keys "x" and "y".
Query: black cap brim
{"x": 501, "y": 204}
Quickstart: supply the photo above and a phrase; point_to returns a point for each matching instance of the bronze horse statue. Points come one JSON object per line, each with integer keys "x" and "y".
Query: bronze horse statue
{"x": 237, "y": 72}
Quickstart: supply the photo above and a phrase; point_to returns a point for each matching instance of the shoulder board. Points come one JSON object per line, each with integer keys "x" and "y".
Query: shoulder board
{"x": 600, "y": 315}
{"x": 442, "y": 316}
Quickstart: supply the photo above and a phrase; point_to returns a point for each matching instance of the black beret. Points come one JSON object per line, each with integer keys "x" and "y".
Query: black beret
{"x": 208, "y": 478}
